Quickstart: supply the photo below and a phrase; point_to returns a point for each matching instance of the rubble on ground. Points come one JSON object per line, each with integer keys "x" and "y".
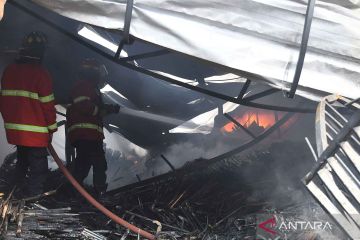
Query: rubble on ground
{"x": 221, "y": 201}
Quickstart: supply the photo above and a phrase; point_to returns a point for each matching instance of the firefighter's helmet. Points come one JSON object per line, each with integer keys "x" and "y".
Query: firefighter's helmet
{"x": 91, "y": 69}
{"x": 33, "y": 45}
{"x": 34, "y": 39}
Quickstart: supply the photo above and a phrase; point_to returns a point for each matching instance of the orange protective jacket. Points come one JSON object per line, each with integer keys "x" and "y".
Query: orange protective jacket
{"x": 84, "y": 120}
{"x": 27, "y": 105}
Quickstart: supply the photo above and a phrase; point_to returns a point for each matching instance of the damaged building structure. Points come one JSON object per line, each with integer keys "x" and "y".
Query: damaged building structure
{"x": 238, "y": 120}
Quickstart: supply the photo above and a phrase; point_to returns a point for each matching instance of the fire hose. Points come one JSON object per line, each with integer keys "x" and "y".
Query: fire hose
{"x": 93, "y": 201}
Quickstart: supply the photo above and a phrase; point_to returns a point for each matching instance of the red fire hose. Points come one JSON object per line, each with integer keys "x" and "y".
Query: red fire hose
{"x": 95, "y": 203}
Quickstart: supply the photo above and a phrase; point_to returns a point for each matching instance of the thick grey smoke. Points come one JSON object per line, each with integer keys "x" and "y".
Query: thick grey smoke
{"x": 216, "y": 143}
{"x": 180, "y": 153}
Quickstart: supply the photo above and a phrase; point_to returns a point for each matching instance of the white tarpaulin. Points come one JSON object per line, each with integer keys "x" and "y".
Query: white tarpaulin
{"x": 257, "y": 36}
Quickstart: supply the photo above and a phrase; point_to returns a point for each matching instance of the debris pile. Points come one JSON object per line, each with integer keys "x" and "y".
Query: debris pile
{"x": 34, "y": 221}
{"x": 220, "y": 201}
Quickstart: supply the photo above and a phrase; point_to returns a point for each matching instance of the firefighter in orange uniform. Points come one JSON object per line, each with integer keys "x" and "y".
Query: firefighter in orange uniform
{"x": 27, "y": 107}
{"x": 85, "y": 124}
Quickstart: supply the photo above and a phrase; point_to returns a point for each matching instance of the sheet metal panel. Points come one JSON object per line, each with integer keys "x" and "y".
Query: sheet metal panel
{"x": 329, "y": 181}
{"x": 336, "y": 184}
{"x": 258, "y": 37}
{"x": 346, "y": 178}
{"x": 347, "y": 224}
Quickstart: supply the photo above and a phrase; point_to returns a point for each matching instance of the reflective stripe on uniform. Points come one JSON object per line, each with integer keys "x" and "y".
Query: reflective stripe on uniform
{"x": 20, "y": 93}
{"x": 85, "y": 126}
{"x": 25, "y": 127}
{"x": 52, "y": 127}
{"x": 80, "y": 99}
{"x": 27, "y": 94}
{"x": 47, "y": 99}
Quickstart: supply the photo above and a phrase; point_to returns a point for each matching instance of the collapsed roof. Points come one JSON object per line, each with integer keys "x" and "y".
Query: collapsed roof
{"x": 256, "y": 39}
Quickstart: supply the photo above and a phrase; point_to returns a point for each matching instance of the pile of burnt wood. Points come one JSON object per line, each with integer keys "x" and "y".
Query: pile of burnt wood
{"x": 198, "y": 201}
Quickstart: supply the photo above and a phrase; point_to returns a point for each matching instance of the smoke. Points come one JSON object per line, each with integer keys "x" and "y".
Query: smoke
{"x": 181, "y": 153}
{"x": 274, "y": 176}
{"x": 272, "y": 170}
{"x": 313, "y": 212}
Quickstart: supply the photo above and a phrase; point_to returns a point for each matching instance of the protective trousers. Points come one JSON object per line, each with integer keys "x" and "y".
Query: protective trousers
{"x": 32, "y": 161}
{"x": 91, "y": 154}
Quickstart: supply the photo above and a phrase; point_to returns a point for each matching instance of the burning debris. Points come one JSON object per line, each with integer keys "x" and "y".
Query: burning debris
{"x": 226, "y": 200}
{"x": 257, "y": 118}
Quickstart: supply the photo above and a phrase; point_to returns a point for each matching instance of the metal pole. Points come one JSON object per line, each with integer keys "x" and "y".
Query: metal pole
{"x": 168, "y": 162}
{"x": 304, "y": 43}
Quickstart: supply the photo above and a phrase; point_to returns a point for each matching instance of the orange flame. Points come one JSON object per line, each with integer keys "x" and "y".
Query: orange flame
{"x": 261, "y": 118}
